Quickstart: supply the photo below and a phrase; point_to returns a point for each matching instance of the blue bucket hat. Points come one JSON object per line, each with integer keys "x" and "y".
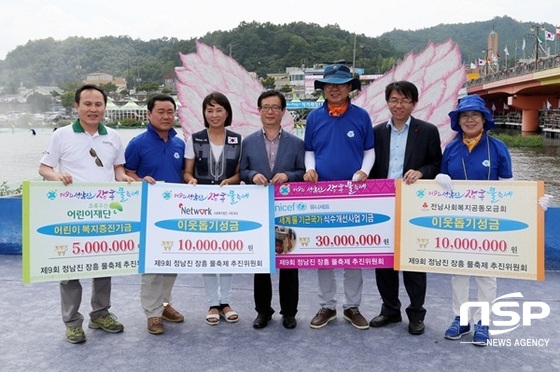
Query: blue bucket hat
{"x": 337, "y": 74}
{"x": 471, "y": 102}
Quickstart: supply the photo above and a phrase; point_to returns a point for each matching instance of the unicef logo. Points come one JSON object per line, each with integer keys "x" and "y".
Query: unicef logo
{"x": 486, "y": 163}
{"x": 284, "y": 189}
{"x": 176, "y": 155}
{"x": 350, "y": 134}
{"x": 301, "y": 207}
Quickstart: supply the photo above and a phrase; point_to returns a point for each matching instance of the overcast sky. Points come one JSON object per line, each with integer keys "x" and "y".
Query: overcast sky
{"x": 24, "y": 20}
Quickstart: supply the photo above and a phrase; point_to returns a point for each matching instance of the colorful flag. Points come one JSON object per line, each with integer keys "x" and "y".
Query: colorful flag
{"x": 557, "y": 30}
{"x": 481, "y": 62}
{"x": 548, "y": 105}
{"x": 539, "y": 39}
{"x": 506, "y": 107}
{"x": 506, "y": 51}
{"x": 548, "y": 35}
{"x": 523, "y": 46}
{"x": 493, "y": 107}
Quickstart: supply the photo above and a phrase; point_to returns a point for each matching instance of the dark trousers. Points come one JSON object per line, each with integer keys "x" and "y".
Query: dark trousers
{"x": 388, "y": 286}
{"x": 289, "y": 292}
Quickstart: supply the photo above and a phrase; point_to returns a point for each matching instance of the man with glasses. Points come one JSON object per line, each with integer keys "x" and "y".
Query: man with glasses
{"x": 273, "y": 156}
{"x": 410, "y": 149}
{"x": 86, "y": 151}
{"x": 339, "y": 145}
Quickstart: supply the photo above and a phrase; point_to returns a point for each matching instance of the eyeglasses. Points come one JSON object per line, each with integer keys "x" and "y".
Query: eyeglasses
{"x": 465, "y": 116}
{"x": 274, "y": 108}
{"x": 403, "y": 102}
{"x": 332, "y": 86}
{"x": 93, "y": 154}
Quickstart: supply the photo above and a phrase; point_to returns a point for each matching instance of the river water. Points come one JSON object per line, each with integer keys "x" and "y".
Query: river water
{"x": 20, "y": 152}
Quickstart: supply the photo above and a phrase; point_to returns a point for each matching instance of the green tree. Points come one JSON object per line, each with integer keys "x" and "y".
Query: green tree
{"x": 109, "y": 88}
{"x": 258, "y": 47}
{"x": 10, "y": 88}
{"x": 269, "y": 82}
{"x": 67, "y": 100}
{"x": 71, "y": 86}
{"x": 149, "y": 87}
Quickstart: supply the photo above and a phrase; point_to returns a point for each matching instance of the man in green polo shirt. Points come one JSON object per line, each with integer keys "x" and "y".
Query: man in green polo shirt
{"x": 86, "y": 151}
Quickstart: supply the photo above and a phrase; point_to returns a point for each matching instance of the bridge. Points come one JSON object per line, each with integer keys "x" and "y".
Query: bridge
{"x": 527, "y": 87}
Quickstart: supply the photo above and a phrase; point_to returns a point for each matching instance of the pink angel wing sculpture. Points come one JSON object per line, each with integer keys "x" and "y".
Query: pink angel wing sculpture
{"x": 210, "y": 70}
{"x": 438, "y": 73}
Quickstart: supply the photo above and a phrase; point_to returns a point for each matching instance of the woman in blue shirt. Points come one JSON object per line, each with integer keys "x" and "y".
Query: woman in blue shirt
{"x": 473, "y": 155}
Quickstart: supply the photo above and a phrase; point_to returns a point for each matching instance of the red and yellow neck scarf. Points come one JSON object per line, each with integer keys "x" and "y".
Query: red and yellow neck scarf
{"x": 337, "y": 111}
{"x": 471, "y": 142}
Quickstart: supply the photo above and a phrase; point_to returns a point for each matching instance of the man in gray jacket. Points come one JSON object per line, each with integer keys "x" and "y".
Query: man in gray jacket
{"x": 273, "y": 156}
